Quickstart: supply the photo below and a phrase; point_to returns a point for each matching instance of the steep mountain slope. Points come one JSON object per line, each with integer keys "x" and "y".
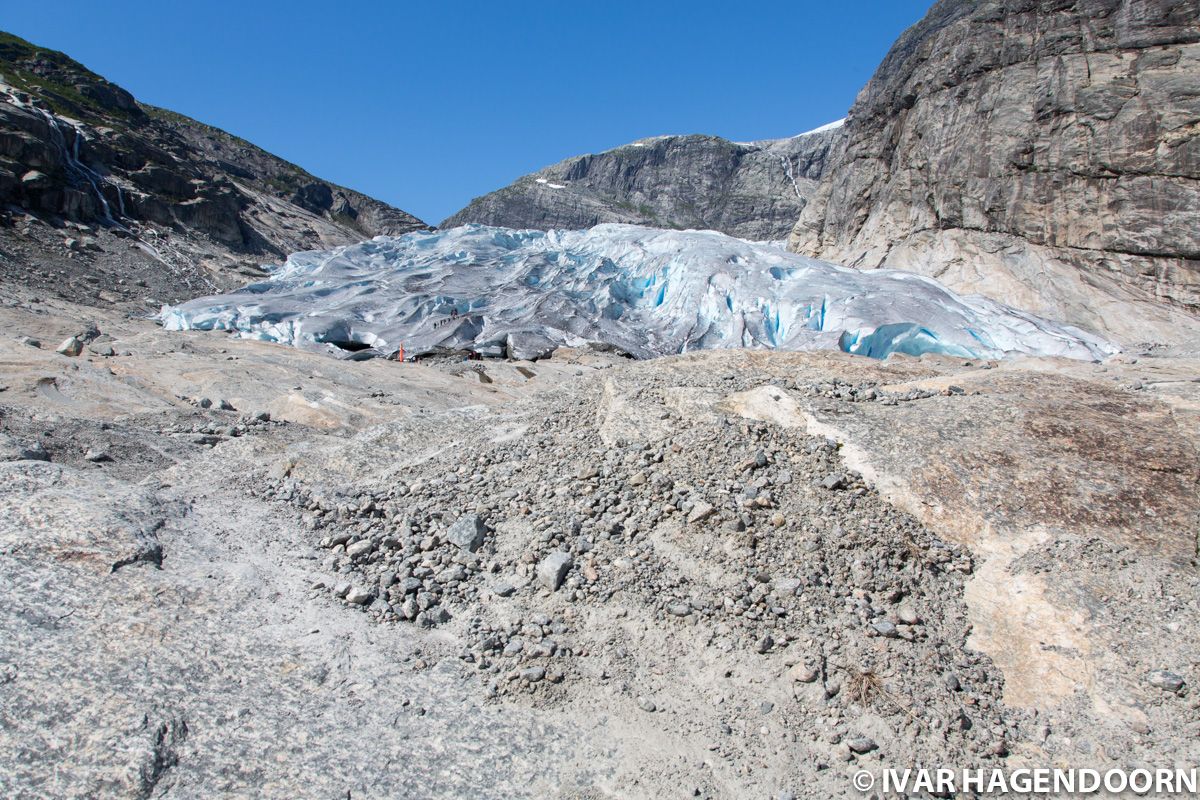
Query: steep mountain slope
{"x": 199, "y": 204}
{"x": 751, "y": 190}
{"x": 1045, "y": 153}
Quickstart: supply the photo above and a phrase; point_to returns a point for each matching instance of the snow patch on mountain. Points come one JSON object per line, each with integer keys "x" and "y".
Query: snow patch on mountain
{"x": 646, "y": 291}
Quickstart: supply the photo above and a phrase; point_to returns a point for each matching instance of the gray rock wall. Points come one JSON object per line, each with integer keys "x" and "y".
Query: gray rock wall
{"x": 1043, "y": 152}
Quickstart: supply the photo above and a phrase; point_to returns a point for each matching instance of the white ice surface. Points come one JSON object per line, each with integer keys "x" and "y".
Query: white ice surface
{"x": 646, "y": 291}
{"x": 837, "y": 123}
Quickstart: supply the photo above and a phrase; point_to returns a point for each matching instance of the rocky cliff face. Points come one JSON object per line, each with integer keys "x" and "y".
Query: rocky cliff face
{"x": 1045, "y": 152}
{"x": 82, "y": 155}
{"x": 750, "y": 190}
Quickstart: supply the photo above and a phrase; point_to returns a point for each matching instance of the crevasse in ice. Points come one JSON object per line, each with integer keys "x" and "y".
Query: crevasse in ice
{"x": 646, "y": 291}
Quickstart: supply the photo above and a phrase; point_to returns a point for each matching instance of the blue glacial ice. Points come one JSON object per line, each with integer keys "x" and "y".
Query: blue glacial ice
{"x": 645, "y": 291}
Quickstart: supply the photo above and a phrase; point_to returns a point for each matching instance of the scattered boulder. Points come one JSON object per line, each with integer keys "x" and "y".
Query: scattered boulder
{"x": 803, "y": 673}
{"x": 467, "y": 532}
{"x": 679, "y": 609}
{"x": 35, "y": 179}
{"x": 12, "y": 450}
{"x": 861, "y": 744}
{"x": 787, "y": 587}
{"x": 553, "y": 570}
{"x": 885, "y": 628}
{"x": 359, "y": 596}
{"x": 1167, "y": 681}
{"x": 834, "y": 481}
{"x": 71, "y": 346}
{"x": 700, "y": 512}
{"x": 360, "y": 549}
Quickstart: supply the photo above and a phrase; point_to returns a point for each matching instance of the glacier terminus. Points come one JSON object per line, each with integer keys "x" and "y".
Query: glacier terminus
{"x": 645, "y": 291}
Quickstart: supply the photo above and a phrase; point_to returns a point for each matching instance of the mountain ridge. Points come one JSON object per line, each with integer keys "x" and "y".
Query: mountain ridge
{"x": 752, "y": 190}
{"x": 204, "y": 206}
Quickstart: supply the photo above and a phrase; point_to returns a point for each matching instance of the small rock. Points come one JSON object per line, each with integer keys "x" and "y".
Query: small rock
{"x": 787, "y": 587}
{"x": 35, "y": 179}
{"x": 647, "y": 705}
{"x": 434, "y": 616}
{"x": 700, "y": 512}
{"x": 533, "y": 674}
{"x": 861, "y": 744}
{"x": 29, "y": 341}
{"x": 907, "y": 614}
{"x": 834, "y": 481}
{"x": 71, "y": 346}
{"x": 410, "y": 608}
{"x": 885, "y": 628}
{"x": 11, "y": 450}
{"x": 553, "y": 570}
{"x": 803, "y": 673}
{"x": 360, "y": 549}
{"x": 467, "y": 532}
{"x": 96, "y": 456}
{"x": 216, "y": 403}
{"x": 1167, "y": 681}
{"x": 764, "y": 644}
{"x": 359, "y": 596}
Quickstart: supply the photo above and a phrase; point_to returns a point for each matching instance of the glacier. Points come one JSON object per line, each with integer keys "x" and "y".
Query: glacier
{"x": 645, "y": 291}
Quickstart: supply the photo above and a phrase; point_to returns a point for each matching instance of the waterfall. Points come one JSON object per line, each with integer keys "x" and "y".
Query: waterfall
{"x": 76, "y": 168}
{"x": 80, "y": 172}
{"x": 787, "y": 170}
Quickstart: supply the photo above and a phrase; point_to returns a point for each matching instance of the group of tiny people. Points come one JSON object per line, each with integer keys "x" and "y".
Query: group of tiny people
{"x": 454, "y": 315}
{"x": 447, "y": 320}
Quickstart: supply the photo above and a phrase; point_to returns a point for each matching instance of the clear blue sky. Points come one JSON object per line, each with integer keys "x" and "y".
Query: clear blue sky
{"x": 426, "y": 105}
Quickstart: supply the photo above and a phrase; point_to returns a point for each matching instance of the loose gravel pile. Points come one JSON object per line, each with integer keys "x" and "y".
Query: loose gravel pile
{"x": 730, "y": 574}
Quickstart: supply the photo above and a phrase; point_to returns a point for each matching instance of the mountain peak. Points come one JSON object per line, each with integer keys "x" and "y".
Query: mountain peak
{"x": 753, "y": 190}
